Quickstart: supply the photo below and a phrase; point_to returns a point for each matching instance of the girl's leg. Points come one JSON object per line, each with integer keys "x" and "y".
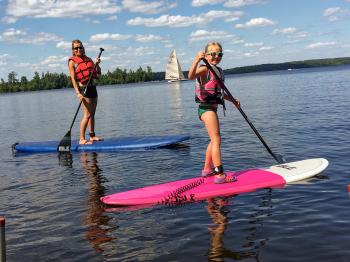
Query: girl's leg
{"x": 213, "y": 153}
{"x": 84, "y": 122}
{"x": 211, "y": 122}
{"x": 208, "y": 164}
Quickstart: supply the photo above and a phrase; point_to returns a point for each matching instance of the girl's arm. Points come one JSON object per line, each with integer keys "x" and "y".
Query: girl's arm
{"x": 196, "y": 71}
{"x": 236, "y": 101}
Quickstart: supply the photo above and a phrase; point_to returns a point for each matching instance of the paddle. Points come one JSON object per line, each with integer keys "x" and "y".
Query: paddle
{"x": 65, "y": 144}
{"x": 277, "y": 157}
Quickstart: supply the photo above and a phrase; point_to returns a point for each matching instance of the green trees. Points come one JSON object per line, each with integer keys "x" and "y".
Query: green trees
{"x": 48, "y": 80}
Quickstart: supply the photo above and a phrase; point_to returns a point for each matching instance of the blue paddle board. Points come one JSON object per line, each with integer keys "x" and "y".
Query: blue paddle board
{"x": 112, "y": 144}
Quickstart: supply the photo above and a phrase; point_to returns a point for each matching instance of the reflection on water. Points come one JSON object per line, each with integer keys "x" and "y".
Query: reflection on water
{"x": 65, "y": 196}
{"x": 65, "y": 159}
{"x": 176, "y": 100}
{"x": 218, "y": 210}
{"x": 97, "y": 232}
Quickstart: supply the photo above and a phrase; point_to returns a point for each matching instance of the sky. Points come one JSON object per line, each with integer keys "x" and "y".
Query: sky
{"x": 36, "y": 35}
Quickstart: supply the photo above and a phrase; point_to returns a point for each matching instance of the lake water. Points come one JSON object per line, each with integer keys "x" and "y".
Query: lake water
{"x": 53, "y": 212}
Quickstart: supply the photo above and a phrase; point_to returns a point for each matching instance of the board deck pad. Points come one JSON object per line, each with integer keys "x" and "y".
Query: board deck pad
{"x": 198, "y": 188}
{"x": 111, "y": 144}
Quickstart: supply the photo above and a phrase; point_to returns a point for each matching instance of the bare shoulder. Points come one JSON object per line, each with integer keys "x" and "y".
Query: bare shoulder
{"x": 202, "y": 70}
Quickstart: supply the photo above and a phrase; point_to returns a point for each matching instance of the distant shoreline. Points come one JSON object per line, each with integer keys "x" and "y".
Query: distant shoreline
{"x": 48, "y": 80}
{"x": 312, "y": 63}
{"x": 290, "y": 65}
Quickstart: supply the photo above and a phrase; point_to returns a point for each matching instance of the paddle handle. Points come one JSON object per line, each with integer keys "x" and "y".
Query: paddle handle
{"x": 235, "y": 102}
{"x": 86, "y": 87}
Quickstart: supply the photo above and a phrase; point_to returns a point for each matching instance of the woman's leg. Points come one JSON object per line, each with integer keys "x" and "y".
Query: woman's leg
{"x": 92, "y": 121}
{"x": 86, "y": 119}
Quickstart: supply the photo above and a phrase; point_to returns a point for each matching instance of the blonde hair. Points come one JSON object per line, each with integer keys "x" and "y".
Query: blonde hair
{"x": 212, "y": 43}
{"x": 77, "y": 41}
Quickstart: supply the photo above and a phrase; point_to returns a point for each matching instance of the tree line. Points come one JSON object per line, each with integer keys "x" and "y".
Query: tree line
{"x": 290, "y": 65}
{"x": 46, "y": 81}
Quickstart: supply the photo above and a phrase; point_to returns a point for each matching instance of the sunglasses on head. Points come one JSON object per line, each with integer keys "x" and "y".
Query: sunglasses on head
{"x": 78, "y": 47}
{"x": 215, "y": 54}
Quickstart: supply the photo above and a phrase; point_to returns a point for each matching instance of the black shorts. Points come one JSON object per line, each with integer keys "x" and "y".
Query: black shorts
{"x": 91, "y": 92}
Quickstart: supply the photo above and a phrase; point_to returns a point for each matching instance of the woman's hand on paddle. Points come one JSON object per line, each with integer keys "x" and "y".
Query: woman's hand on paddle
{"x": 80, "y": 96}
{"x": 98, "y": 60}
{"x": 236, "y": 102}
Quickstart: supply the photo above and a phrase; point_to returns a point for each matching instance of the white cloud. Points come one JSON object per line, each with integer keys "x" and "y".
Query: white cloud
{"x": 284, "y": 31}
{"x": 184, "y": 21}
{"x": 197, "y": 3}
{"x": 265, "y": 48}
{"x": 251, "y": 54}
{"x": 58, "y": 8}
{"x": 227, "y": 3}
{"x": 240, "y": 3}
{"x": 3, "y": 59}
{"x": 53, "y": 60}
{"x": 256, "y": 22}
{"x": 204, "y": 35}
{"x": 108, "y": 36}
{"x": 168, "y": 20}
{"x": 112, "y": 18}
{"x": 228, "y": 15}
{"x": 11, "y": 34}
{"x": 148, "y": 38}
{"x": 335, "y": 13}
{"x": 40, "y": 38}
{"x": 64, "y": 45}
{"x": 22, "y": 37}
{"x": 147, "y": 7}
{"x": 290, "y": 32}
{"x": 321, "y": 44}
{"x": 253, "y": 44}
{"x": 237, "y": 40}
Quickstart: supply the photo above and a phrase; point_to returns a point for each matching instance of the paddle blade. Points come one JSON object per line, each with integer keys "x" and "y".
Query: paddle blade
{"x": 65, "y": 144}
{"x": 280, "y": 159}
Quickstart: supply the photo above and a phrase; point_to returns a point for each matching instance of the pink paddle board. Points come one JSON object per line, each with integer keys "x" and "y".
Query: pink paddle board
{"x": 198, "y": 188}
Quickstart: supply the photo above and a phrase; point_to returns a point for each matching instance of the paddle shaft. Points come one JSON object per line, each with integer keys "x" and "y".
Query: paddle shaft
{"x": 87, "y": 85}
{"x": 235, "y": 102}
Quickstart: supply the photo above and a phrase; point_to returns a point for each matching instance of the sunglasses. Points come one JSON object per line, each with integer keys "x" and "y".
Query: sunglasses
{"x": 78, "y": 47}
{"x": 215, "y": 54}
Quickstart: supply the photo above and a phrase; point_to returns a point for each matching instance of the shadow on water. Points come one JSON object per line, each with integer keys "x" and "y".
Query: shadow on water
{"x": 218, "y": 210}
{"x": 97, "y": 223}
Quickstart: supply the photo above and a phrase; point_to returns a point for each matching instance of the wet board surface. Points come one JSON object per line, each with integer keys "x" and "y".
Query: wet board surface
{"x": 198, "y": 188}
{"x": 111, "y": 144}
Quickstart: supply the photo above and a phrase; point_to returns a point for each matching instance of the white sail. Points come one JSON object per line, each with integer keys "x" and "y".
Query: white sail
{"x": 173, "y": 70}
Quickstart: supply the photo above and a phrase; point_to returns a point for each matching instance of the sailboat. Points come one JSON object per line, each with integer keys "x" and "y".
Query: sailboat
{"x": 173, "y": 71}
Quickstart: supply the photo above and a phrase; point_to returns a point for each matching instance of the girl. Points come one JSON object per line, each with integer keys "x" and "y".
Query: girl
{"x": 80, "y": 67}
{"x": 209, "y": 95}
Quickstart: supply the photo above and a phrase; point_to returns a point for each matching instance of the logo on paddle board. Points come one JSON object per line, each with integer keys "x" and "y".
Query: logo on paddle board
{"x": 287, "y": 167}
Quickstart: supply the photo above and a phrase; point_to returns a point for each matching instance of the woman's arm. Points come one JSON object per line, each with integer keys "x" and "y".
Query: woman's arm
{"x": 98, "y": 68}
{"x": 72, "y": 77}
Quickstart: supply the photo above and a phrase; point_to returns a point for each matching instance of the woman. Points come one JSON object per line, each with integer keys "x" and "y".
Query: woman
{"x": 209, "y": 95}
{"x": 80, "y": 67}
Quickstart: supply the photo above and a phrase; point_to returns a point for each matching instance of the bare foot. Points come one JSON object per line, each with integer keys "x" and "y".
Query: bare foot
{"x": 84, "y": 142}
{"x": 95, "y": 138}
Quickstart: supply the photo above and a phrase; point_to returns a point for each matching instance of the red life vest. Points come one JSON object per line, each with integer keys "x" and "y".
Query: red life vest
{"x": 210, "y": 92}
{"x": 83, "y": 67}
